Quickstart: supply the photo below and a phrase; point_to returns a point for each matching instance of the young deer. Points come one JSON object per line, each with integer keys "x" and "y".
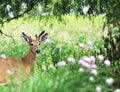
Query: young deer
{"x": 21, "y": 67}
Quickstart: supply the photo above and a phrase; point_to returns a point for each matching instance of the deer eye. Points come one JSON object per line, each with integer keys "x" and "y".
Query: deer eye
{"x": 39, "y": 43}
{"x": 31, "y": 44}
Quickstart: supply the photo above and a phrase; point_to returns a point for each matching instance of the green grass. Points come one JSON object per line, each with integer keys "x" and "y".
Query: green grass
{"x": 65, "y": 38}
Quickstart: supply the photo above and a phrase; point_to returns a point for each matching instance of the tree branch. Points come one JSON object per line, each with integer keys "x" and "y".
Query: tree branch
{"x": 20, "y": 15}
{"x": 1, "y": 32}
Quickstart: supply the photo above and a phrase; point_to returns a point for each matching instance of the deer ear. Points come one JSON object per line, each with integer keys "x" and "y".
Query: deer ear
{"x": 44, "y": 37}
{"x": 25, "y": 39}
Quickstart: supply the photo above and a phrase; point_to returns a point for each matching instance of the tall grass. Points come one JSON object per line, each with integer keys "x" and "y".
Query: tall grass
{"x": 64, "y": 43}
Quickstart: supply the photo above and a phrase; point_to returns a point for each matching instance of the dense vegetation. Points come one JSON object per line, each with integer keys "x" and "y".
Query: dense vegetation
{"x": 59, "y": 65}
{"x": 70, "y": 39}
{"x": 13, "y": 9}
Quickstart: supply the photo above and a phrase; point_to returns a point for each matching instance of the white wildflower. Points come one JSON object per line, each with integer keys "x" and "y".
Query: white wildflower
{"x": 91, "y": 78}
{"x": 85, "y": 64}
{"x": 94, "y": 72}
{"x": 89, "y": 48}
{"x": 71, "y": 60}
{"x": 90, "y": 43}
{"x": 107, "y": 63}
{"x": 43, "y": 68}
{"x": 81, "y": 45}
{"x": 100, "y": 58}
{"x": 9, "y": 72}
{"x": 81, "y": 62}
{"x": 93, "y": 66}
{"x": 87, "y": 59}
{"x": 98, "y": 89}
{"x": 51, "y": 66}
{"x": 109, "y": 81}
{"x": 81, "y": 69}
{"x": 92, "y": 59}
{"x": 61, "y": 64}
{"x": 117, "y": 90}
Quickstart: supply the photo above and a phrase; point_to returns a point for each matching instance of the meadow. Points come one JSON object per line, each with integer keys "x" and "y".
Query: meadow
{"x": 70, "y": 59}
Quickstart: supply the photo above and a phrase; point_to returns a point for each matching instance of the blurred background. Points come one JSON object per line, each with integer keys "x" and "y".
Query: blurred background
{"x": 77, "y": 29}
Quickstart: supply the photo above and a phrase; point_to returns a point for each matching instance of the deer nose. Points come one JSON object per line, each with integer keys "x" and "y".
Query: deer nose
{"x": 37, "y": 51}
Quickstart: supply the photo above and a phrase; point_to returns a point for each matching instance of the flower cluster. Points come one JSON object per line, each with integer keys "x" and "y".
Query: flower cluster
{"x": 89, "y": 63}
{"x": 61, "y": 64}
{"x": 89, "y": 46}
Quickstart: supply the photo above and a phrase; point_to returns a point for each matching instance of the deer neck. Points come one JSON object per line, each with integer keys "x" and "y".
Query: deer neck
{"x": 30, "y": 58}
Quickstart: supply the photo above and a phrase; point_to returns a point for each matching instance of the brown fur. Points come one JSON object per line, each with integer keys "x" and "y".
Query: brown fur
{"x": 21, "y": 67}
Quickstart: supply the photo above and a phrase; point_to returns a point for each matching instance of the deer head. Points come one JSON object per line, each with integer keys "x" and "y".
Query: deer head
{"x": 34, "y": 43}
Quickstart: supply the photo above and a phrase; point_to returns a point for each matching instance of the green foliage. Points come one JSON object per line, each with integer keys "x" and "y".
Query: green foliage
{"x": 15, "y": 8}
{"x": 60, "y": 7}
{"x": 64, "y": 43}
{"x": 112, "y": 43}
{"x": 109, "y": 9}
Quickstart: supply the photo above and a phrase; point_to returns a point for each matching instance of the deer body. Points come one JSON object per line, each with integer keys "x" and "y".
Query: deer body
{"x": 21, "y": 67}
{"x": 17, "y": 66}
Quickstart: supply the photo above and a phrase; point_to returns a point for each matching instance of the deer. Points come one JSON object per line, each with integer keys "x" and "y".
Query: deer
{"x": 20, "y": 68}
